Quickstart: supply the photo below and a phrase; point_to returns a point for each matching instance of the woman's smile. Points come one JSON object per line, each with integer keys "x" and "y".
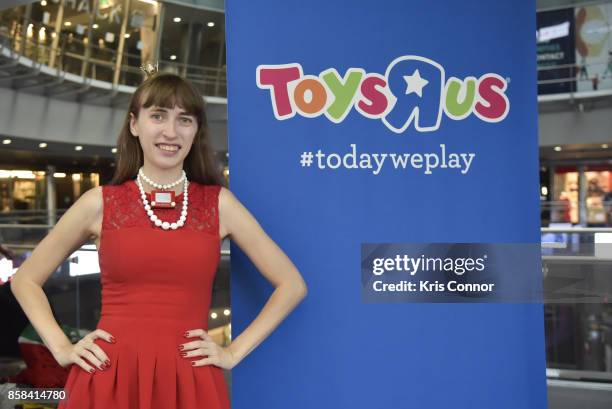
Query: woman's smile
{"x": 168, "y": 149}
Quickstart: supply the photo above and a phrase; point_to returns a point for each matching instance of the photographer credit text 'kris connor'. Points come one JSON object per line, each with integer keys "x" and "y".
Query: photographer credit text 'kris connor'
{"x": 413, "y": 265}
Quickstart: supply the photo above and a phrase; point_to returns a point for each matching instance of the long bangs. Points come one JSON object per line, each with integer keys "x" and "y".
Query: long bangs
{"x": 168, "y": 91}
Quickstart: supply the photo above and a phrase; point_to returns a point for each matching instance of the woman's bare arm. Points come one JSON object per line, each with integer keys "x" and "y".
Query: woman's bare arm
{"x": 273, "y": 264}
{"x": 73, "y": 229}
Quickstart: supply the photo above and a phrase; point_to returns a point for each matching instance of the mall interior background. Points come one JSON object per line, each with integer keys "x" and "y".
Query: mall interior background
{"x": 68, "y": 68}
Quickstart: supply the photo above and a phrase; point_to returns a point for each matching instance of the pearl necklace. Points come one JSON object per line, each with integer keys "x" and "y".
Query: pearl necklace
{"x": 159, "y": 185}
{"x": 154, "y": 219}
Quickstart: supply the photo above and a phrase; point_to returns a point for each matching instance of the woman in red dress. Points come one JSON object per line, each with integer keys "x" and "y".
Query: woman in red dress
{"x": 158, "y": 227}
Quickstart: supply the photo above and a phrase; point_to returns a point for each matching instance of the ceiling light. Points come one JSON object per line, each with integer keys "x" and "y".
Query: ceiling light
{"x": 604, "y": 146}
{"x": 67, "y": 23}
{"x": 78, "y": 148}
{"x": 114, "y": 150}
{"x": 19, "y": 174}
{"x": 210, "y": 24}
{"x": 6, "y": 141}
{"x": 95, "y": 26}
{"x": 173, "y": 57}
{"x": 43, "y": 3}
{"x": 226, "y": 312}
{"x": 127, "y": 35}
{"x": 213, "y": 315}
{"x": 42, "y": 145}
{"x": 557, "y": 149}
{"x": 59, "y": 175}
{"x": 176, "y": 19}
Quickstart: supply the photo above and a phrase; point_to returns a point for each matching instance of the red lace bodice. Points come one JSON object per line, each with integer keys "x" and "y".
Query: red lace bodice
{"x": 123, "y": 207}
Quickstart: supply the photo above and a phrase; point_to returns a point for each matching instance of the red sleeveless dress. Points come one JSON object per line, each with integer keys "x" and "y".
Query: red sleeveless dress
{"x": 156, "y": 284}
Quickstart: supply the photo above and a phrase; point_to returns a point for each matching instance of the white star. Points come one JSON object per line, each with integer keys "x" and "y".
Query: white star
{"x": 415, "y": 83}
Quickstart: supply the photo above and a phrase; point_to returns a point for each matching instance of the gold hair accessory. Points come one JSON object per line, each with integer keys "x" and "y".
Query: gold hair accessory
{"x": 149, "y": 69}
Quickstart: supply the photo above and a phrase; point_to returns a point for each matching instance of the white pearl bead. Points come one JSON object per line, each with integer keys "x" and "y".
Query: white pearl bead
{"x": 148, "y": 208}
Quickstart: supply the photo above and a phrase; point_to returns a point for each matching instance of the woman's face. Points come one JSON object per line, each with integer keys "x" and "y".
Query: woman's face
{"x": 165, "y": 135}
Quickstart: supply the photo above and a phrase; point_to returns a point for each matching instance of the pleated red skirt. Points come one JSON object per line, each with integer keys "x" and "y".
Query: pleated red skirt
{"x": 146, "y": 371}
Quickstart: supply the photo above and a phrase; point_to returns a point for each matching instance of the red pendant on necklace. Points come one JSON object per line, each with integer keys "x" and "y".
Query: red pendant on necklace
{"x": 163, "y": 199}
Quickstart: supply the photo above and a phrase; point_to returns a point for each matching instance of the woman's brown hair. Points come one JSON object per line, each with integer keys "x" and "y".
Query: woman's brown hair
{"x": 167, "y": 90}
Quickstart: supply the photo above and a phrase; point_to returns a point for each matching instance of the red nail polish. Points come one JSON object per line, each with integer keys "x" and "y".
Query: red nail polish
{"x": 180, "y": 347}
{"x": 91, "y": 370}
{"x": 193, "y": 363}
{"x": 186, "y": 334}
{"x": 112, "y": 340}
{"x": 107, "y": 363}
{"x": 183, "y": 353}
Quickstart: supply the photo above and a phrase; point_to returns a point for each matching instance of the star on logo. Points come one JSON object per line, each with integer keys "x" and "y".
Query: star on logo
{"x": 415, "y": 83}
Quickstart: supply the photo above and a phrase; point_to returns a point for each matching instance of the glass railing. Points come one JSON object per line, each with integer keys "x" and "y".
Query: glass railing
{"x": 575, "y": 78}
{"x": 577, "y": 280}
{"x": 90, "y": 61}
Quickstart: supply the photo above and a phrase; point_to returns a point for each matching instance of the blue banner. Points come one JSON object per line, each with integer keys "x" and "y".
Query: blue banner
{"x": 352, "y": 123}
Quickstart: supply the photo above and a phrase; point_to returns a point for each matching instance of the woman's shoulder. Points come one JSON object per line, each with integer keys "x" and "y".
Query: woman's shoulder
{"x": 90, "y": 204}
{"x": 227, "y": 200}
{"x": 92, "y": 197}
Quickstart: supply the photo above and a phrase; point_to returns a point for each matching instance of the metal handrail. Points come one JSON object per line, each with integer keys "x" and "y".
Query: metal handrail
{"x": 578, "y": 229}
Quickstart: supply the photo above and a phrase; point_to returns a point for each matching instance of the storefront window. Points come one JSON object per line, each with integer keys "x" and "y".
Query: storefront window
{"x": 565, "y": 207}
{"x": 596, "y": 208}
{"x": 23, "y": 193}
{"x": 598, "y": 194}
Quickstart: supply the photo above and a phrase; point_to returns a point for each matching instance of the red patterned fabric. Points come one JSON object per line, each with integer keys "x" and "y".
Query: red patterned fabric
{"x": 156, "y": 284}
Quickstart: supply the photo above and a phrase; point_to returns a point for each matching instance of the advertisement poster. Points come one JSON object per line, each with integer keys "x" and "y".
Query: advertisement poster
{"x": 391, "y": 150}
{"x": 555, "y": 37}
{"x": 594, "y": 47}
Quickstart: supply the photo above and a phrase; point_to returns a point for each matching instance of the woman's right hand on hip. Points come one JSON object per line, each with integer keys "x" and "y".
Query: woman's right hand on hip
{"x": 85, "y": 352}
